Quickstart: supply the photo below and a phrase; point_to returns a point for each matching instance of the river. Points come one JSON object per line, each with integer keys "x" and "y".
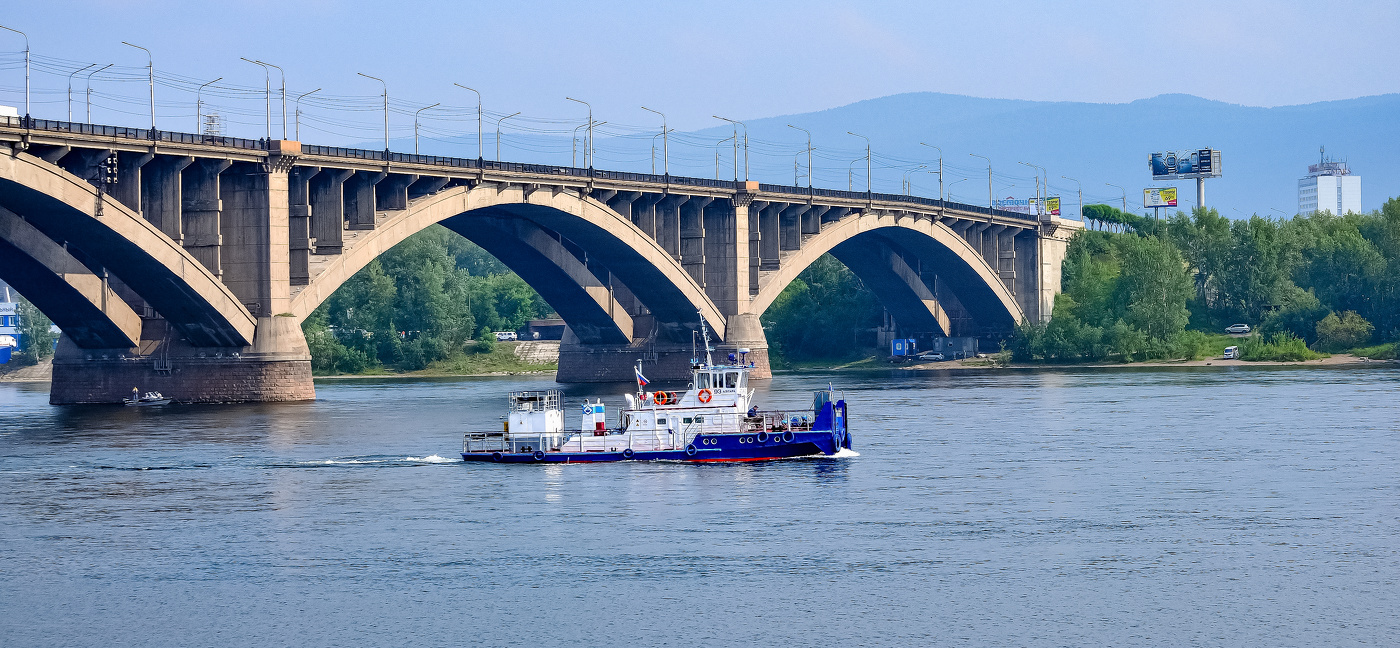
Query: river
{"x": 1203, "y": 507}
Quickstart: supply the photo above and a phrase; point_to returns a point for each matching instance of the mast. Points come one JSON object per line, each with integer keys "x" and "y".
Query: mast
{"x": 705, "y": 333}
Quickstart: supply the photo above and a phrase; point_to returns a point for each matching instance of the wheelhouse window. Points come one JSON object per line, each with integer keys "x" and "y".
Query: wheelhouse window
{"x": 731, "y": 379}
{"x": 702, "y": 381}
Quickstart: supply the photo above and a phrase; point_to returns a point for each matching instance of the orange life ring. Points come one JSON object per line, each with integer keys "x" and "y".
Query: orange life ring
{"x": 705, "y": 395}
{"x": 661, "y": 398}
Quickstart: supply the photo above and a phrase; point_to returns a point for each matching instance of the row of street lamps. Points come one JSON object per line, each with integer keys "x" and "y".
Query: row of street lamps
{"x": 588, "y": 151}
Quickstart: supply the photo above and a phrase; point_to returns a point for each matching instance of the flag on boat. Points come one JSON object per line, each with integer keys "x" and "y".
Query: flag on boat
{"x": 641, "y": 380}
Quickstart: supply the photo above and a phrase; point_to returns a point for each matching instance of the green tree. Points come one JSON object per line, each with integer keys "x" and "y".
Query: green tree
{"x": 1341, "y": 333}
{"x": 35, "y": 333}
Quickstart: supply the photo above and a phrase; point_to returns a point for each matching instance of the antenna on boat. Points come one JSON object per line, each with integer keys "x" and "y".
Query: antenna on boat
{"x": 705, "y": 332}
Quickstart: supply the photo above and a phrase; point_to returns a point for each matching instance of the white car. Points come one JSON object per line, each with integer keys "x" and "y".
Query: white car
{"x": 1237, "y": 328}
{"x": 505, "y": 336}
{"x": 1232, "y": 353}
{"x": 934, "y": 356}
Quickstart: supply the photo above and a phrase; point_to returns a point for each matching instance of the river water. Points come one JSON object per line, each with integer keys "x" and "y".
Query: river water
{"x": 1209, "y": 507}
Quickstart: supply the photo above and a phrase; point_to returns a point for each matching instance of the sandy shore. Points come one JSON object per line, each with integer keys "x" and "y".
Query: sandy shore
{"x": 42, "y": 372}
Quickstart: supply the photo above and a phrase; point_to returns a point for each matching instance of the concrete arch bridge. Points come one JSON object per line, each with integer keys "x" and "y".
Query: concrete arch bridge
{"x": 187, "y": 263}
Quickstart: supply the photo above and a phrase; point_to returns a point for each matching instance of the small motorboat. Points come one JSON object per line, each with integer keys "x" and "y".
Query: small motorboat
{"x": 145, "y": 400}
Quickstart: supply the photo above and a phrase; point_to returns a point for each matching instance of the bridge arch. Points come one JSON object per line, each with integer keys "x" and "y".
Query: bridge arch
{"x": 513, "y": 222}
{"x": 975, "y": 283}
{"x": 73, "y": 213}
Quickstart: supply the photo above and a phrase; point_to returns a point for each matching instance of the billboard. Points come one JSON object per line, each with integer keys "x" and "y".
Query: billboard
{"x": 1163, "y": 197}
{"x": 1029, "y": 205}
{"x": 1178, "y": 165}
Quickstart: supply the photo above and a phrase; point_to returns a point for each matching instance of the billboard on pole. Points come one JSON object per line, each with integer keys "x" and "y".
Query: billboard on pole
{"x": 1163, "y": 197}
{"x": 1177, "y": 165}
{"x": 1050, "y": 206}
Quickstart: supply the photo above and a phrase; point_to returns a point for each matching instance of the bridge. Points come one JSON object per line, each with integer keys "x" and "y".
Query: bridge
{"x": 187, "y": 263}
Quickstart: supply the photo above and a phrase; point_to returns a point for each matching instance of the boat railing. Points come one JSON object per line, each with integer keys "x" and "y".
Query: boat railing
{"x": 485, "y": 442}
{"x": 780, "y": 421}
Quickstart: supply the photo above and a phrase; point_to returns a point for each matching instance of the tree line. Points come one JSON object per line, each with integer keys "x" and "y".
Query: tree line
{"x": 1158, "y": 288}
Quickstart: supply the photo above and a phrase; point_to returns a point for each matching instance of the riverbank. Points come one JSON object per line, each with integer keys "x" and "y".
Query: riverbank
{"x": 38, "y": 373}
{"x": 1335, "y": 360}
{"x": 528, "y": 358}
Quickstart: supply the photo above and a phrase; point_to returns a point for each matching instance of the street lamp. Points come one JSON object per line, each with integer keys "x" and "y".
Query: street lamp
{"x": 70, "y": 90}
{"x": 588, "y": 144}
{"x": 735, "y": 138}
{"x": 736, "y": 143}
{"x": 199, "y": 104}
{"x": 150, "y": 79}
{"x": 954, "y": 184}
{"x": 909, "y": 186}
{"x": 479, "y": 154}
{"x": 809, "y": 154}
{"x": 1081, "y": 196}
{"x": 267, "y": 95}
{"x": 1038, "y": 205}
{"x": 26, "y": 67}
{"x": 88, "y": 96}
{"x": 1280, "y": 211}
{"x": 1125, "y": 195}
{"x": 940, "y": 167}
{"x": 415, "y": 124}
{"x": 297, "y": 116}
{"x": 283, "y": 75}
{"x": 851, "y": 173}
{"x": 498, "y": 133}
{"x": 573, "y": 141}
{"x": 665, "y": 145}
{"x": 867, "y": 159}
{"x": 386, "y": 109}
{"x": 990, "y": 198}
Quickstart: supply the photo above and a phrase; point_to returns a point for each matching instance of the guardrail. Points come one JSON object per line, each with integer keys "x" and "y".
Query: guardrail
{"x": 149, "y": 135}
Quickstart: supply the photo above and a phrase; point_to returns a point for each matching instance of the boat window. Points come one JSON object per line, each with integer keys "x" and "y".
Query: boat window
{"x": 731, "y": 379}
{"x": 702, "y": 381}
{"x": 686, "y": 420}
{"x": 699, "y": 419}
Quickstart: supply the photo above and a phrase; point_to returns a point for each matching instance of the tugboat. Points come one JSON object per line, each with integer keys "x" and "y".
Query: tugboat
{"x": 149, "y": 398}
{"x": 712, "y": 420}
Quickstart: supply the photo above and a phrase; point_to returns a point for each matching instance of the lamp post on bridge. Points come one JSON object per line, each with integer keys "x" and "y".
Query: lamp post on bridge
{"x": 283, "y": 76}
{"x": 1038, "y": 204}
{"x": 88, "y": 97}
{"x": 867, "y": 162}
{"x": 150, "y": 79}
{"x": 990, "y": 198}
{"x": 386, "y": 111}
{"x": 70, "y": 89}
{"x": 298, "y": 111}
{"x": 573, "y": 142}
{"x": 1081, "y": 196}
{"x": 665, "y": 145}
{"x": 415, "y": 124}
{"x": 498, "y": 133}
{"x": 908, "y": 185}
{"x": 199, "y": 104}
{"x": 809, "y": 154}
{"x": 940, "y": 167}
{"x": 1125, "y": 195}
{"x": 26, "y": 68}
{"x": 954, "y": 184}
{"x": 479, "y": 154}
{"x": 736, "y": 145}
{"x": 588, "y": 142}
{"x": 267, "y": 96}
{"x": 734, "y": 137}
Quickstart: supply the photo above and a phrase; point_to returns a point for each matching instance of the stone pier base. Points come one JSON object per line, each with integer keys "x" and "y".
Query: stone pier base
{"x": 667, "y": 363}
{"x": 190, "y": 380}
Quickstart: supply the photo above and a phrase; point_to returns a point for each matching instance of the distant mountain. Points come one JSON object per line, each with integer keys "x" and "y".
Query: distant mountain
{"x": 1264, "y": 150}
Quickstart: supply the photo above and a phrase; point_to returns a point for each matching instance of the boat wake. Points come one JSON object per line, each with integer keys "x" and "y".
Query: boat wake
{"x": 379, "y": 461}
{"x": 845, "y": 453}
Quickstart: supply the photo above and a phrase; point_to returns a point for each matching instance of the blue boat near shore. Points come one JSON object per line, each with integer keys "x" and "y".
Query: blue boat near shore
{"x": 713, "y": 419}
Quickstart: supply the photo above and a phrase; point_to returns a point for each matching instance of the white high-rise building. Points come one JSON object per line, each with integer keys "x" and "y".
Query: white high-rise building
{"x": 1330, "y": 187}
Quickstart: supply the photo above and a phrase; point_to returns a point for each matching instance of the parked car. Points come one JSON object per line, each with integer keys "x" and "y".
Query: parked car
{"x": 1232, "y": 353}
{"x": 505, "y": 336}
{"x": 932, "y": 356}
{"x": 1237, "y": 328}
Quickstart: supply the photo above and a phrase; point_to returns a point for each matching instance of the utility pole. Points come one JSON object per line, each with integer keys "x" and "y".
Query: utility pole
{"x": 1081, "y": 196}
{"x": 386, "y": 111}
{"x": 267, "y": 99}
{"x": 283, "y": 75}
{"x": 498, "y": 133}
{"x": 736, "y": 147}
{"x": 415, "y": 124}
{"x": 88, "y": 98}
{"x": 151, "y": 79}
{"x": 479, "y": 154}
{"x": 940, "y": 167}
{"x": 199, "y": 104}
{"x": 665, "y": 145}
{"x": 588, "y": 144}
{"x": 1125, "y": 195}
{"x": 298, "y": 111}
{"x": 809, "y": 154}
{"x": 70, "y": 90}
{"x": 26, "y": 69}
{"x": 868, "y": 183}
{"x": 990, "y": 198}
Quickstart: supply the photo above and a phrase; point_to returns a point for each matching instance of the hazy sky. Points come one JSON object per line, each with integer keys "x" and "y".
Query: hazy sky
{"x": 738, "y": 59}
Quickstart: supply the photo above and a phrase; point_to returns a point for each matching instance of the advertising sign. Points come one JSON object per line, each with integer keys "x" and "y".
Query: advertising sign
{"x": 1030, "y": 206}
{"x": 1176, "y": 165}
{"x": 1163, "y": 197}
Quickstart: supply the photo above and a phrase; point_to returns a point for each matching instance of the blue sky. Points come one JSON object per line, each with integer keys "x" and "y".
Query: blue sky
{"x": 744, "y": 60}
{"x": 739, "y": 59}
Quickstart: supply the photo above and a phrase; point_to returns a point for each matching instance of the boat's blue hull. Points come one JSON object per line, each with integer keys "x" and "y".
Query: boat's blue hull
{"x": 706, "y": 448}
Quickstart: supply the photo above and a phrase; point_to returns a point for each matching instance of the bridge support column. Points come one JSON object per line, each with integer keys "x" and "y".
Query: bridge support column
{"x": 742, "y": 327}
{"x": 1052, "y": 245}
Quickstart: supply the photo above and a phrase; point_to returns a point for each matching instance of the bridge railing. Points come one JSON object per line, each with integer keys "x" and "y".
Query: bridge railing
{"x": 146, "y": 134}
